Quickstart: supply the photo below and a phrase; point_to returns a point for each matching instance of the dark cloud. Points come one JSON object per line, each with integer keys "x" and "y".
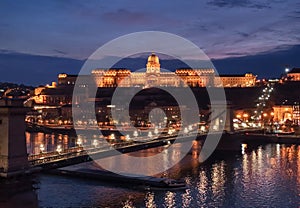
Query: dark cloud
{"x": 243, "y": 34}
{"x": 234, "y": 54}
{"x": 238, "y": 3}
{"x": 4, "y": 51}
{"x": 60, "y": 52}
{"x": 77, "y": 28}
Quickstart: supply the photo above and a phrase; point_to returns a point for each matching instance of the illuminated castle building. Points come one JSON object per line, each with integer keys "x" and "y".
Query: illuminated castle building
{"x": 237, "y": 80}
{"x": 153, "y": 76}
{"x": 61, "y": 93}
{"x": 53, "y": 103}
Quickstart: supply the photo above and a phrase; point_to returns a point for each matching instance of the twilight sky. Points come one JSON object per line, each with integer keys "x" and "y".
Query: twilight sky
{"x": 75, "y": 29}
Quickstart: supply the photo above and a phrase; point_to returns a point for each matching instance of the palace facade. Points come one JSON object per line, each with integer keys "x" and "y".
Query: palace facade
{"x": 181, "y": 77}
{"x": 60, "y": 93}
{"x": 235, "y": 80}
{"x": 153, "y": 76}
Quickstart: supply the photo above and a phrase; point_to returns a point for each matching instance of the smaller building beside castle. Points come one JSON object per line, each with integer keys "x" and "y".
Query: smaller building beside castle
{"x": 293, "y": 75}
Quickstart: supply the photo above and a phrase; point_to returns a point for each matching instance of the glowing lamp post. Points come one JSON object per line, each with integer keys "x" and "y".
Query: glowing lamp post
{"x": 150, "y": 134}
{"x": 59, "y": 149}
{"x": 264, "y": 119}
{"x": 42, "y": 148}
{"x": 112, "y": 137}
{"x": 287, "y": 70}
{"x": 127, "y": 138}
{"x": 79, "y": 142}
{"x": 135, "y": 134}
{"x": 95, "y": 142}
{"x": 245, "y": 116}
{"x": 156, "y": 131}
{"x": 186, "y": 131}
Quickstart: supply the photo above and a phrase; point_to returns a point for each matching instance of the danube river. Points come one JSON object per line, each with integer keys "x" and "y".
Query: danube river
{"x": 263, "y": 176}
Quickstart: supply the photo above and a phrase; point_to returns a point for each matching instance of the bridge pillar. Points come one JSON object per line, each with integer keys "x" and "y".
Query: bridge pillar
{"x": 13, "y": 152}
{"x": 229, "y": 118}
{"x": 220, "y": 116}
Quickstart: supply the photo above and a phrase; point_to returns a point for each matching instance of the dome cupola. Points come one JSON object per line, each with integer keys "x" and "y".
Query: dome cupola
{"x": 153, "y": 65}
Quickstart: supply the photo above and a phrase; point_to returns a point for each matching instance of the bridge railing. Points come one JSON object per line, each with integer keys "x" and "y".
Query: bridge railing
{"x": 48, "y": 157}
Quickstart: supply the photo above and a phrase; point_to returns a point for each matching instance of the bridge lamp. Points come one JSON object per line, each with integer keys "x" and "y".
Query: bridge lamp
{"x": 59, "y": 149}
{"x": 42, "y": 148}
{"x": 287, "y": 70}
{"x": 186, "y": 131}
{"x": 156, "y": 131}
{"x": 112, "y": 136}
{"x": 127, "y": 138}
{"x": 95, "y": 142}
{"x": 135, "y": 134}
{"x": 79, "y": 142}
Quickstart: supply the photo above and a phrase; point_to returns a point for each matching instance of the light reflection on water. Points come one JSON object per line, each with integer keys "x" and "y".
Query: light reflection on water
{"x": 50, "y": 142}
{"x": 264, "y": 176}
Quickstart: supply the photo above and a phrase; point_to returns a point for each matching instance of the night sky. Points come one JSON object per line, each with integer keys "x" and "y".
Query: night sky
{"x": 39, "y": 39}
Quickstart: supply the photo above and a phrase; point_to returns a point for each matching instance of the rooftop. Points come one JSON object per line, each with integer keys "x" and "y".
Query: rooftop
{"x": 295, "y": 70}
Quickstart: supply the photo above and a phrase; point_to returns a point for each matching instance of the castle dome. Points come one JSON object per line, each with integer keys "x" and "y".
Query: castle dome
{"x": 153, "y": 59}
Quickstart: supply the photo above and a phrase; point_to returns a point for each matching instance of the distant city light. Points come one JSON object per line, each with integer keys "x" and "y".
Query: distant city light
{"x": 287, "y": 70}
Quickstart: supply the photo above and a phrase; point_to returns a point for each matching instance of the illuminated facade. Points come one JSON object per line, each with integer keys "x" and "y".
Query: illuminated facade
{"x": 61, "y": 93}
{"x": 294, "y": 75}
{"x": 282, "y": 113}
{"x": 182, "y": 77}
{"x": 230, "y": 80}
{"x": 153, "y": 76}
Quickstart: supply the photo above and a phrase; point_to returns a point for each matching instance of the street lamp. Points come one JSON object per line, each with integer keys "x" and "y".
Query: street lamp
{"x": 112, "y": 136}
{"x": 186, "y": 131}
{"x": 287, "y": 70}
{"x": 127, "y": 138}
{"x": 135, "y": 134}
{"x": 95, "y": 142}
{"x": 79, "y": 142}
{"x": 59, "y": 149}
{"x": 42, "y": 148}
{"x": 245, "y": 116}
{"x": 156, "y": 131}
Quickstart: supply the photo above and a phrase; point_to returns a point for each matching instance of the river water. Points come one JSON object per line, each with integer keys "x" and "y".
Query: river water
{"x": 262, "y": 176}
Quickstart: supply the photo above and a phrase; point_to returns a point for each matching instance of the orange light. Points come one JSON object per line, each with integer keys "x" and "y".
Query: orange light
{"x": 238, "y": 116}
{"x": 265, "y": 114}
{"x": 245, "y": 115}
